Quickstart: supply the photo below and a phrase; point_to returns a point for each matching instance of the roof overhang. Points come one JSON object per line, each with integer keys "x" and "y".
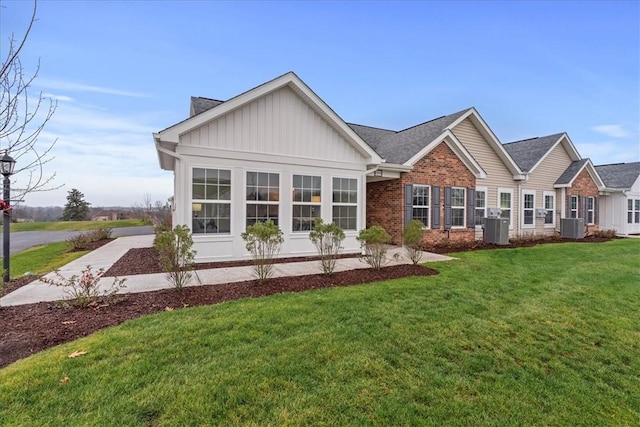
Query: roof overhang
{"x": 592, "y": 172}
{"x": 166, "y": 152}
{"x": 473, "y": 115}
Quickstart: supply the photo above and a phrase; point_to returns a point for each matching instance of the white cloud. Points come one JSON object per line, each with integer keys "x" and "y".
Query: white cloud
{"x": 62, "y": 98}
{"x": 81, "y": 87}
{"x": 614, "y": 131}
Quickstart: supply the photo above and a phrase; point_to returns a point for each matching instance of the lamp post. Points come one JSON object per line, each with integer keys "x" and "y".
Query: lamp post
{"x": 7, "y": 163}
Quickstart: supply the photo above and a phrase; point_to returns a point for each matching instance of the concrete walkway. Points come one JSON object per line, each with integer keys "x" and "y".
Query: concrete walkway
{"x": 107, "y": 255}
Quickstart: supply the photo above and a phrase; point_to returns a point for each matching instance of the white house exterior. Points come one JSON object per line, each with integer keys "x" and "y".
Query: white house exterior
{"x": 620, "y": 206}
{"x": 275, "y": 152}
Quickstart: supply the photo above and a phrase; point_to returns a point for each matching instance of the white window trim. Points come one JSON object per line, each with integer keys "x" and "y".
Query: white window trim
{"x": 357, "y": 203}
{"x": 294, "y": 203}
{"x": 428, "y": 206}
{"x": 533, "y": 209}
{"x": 486, "y": 203}
{"x": 192, "y": 201}
{"x": 464, "y": 208}
{"x": 544, "y": 196}
{"x": 509, "y": 191}
{"x": 577, "y": 209}
{"x": 592, "y": 210}
{"x": 261, "y": 202}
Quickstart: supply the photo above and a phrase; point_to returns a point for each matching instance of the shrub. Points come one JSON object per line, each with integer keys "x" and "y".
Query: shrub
{"x": 327, "y": 238}
{"x": 176, "y": 255}
{"x": 84, "y": 290}
{"x": 99, "y": 234}
{"x": 374, "y": 240}
{"x": 263, "y": 240}
{"x": 79, "y": 242}
{"x": 607, "y": 234}
{"x": 413, "y": 234}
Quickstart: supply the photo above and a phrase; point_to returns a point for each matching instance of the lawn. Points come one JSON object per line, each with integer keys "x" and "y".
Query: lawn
{"x": 42, "y": 259}
{"x": 74, "y": 225}
{"x": 548, "y": 335}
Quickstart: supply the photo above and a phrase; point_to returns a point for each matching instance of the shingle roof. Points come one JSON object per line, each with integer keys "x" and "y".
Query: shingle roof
{"x": 200, "y": 105}
{"x": 399, "y": 146}
{"x": 528, "y": 152}
{"x": 619, "y": 175}
{"x": 570, "y": 173}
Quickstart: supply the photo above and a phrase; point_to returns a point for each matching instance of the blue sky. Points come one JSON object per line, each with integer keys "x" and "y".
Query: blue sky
{"x": 121, "y": 70}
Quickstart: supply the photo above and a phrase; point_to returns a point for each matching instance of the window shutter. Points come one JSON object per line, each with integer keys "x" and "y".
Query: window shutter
{"x": 568, "y": 210}
{"x": 408, "y": 204}
{"x": 582, "y": 203}
{"x": 471, "y": 207}
{"x": 447, "y": 208}
{"x": 435, "y": 207}
{"x": 596, "y": 208}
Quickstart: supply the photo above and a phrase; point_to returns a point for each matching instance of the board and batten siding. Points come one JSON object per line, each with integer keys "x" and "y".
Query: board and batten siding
{"x": 498, "y": 175}
{"x": 280, "y": 123}
{"x": 542, "y": 179}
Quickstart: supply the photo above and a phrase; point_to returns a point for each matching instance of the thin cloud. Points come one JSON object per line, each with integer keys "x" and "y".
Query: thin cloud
{"x": 613, "y": 131}
{"x": 62, "y": 98}
{"x": 81, "y": 87}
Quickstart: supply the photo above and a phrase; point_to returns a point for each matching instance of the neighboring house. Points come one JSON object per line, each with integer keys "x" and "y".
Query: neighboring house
{"x": 559, "y": 184}
{"x": 274, "y": 152}
{"x": 620, "y": 206}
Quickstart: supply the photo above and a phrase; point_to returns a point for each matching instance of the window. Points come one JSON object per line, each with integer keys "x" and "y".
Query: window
{"x": 306, "y": 201}
{"x": 211, "y": 201}
{"x": 633, "y": 211}
{"x": 550, "y": 207}
{"x": 505, "y": 200}
{"x": 345, "y": 203}
{"x": 528, "y": 208}
{"x": 421, "y": 204}
{"x": 637, "y": 212}
{"x": 573, "y": 206}
{"x": 629, "y": 211}
{"x": 263, "y": 196}
{"x": 590, "y": 210}
{"x": 458, "y": 207}
{"x": 481, "y": 206}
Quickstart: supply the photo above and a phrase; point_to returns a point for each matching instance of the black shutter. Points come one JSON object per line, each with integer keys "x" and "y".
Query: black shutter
{"x": 596, "y": 209}
{"x": 471, "y": 207}
{"x": 447, "y": 208}
{"x": 435, "y": 208}
{"x": 567, "y": 212}
{"x": 582, "y": 204}
{"x": 408, "y": 204}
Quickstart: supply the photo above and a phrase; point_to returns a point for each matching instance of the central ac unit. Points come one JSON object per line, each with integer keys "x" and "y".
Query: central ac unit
{"x": 496, "y": 230}
{"x": 572, "y": 228}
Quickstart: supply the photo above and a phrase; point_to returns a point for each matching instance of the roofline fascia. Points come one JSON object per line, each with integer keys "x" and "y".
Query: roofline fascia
{"x": 592, "y": 172}
{"x": 395, "y": 167}
{"x": 161, "y": 150}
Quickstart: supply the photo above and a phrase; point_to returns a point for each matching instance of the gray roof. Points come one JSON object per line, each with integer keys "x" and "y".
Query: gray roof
{"x": 619, "y": 175}
{"x": 570, "y": 173}
{"x": 399, "y": 146}
{"x": 528, "y": 152}
{"x": 200, "y": 105}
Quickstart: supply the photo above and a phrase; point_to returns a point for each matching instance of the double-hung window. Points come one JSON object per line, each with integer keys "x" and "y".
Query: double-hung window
{"x": 421, "y": 203}
{"x": 211, "y": 201}
{"x": 307, "y": 190}
{"x": 590, "y": 210}
{"x": 633, "y": 211}
{"x": 573, "y": 206}
{"x": 550, "y": 207}
{"x": 528, "y": 208}
{"x": 481, "y": 206}
{"x": 262, "y": 197}
{"x": 505, "y": 200}
{"x": 458, "y": 206}
{"x": 345, "y": 203}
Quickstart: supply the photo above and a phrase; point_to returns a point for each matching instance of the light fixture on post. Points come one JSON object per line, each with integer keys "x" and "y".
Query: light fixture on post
{"x": 7, "y": 163}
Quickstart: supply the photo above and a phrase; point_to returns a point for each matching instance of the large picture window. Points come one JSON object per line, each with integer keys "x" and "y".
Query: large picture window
{"x": 345, "y": 203}
{"x": 528, "y": 208}
{"x": 458, "y": 207}
{"x": 307, "y": 191}
{"x": 550, "y": 207}
{"x": 481, "y": 206}
{"x": 421, "y": 203}
{"x": 263, "y": 197}
{"x": 211, "y": 201}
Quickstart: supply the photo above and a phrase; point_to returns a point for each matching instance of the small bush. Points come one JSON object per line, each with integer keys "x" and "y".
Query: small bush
{"x": 606, "y": 234}
{"x": 263, "y": 240}
{"x": 374, "y": 240}
{"x": 176, "y": 254}
{"x": 99, "y": 234}
{"x": 328, "y": 240}
{"x": 83, "y": 290}
{"x": 413, "y": 234}
{"x": 79, "y": 242}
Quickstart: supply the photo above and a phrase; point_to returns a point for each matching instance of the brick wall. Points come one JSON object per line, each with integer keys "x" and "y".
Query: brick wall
{"x": 584, "y": 186}
{"x": 385, "y": 199}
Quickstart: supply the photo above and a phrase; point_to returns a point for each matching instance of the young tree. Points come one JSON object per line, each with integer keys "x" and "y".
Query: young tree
{"x": 22, "y": 118}
{"x": 76, "y": 208}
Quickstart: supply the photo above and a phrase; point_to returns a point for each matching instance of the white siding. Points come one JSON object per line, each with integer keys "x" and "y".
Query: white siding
{"x": 280, "y": 123}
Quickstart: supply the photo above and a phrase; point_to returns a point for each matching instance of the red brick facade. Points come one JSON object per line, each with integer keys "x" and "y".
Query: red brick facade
{"x": 441, "y": 167}
{"x": 584, "y": 186}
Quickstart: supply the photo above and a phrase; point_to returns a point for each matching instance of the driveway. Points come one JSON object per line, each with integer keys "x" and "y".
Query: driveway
{"x": 22, "y": 240}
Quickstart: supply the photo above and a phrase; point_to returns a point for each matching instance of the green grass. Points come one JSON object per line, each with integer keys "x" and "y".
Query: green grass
{"x": 74, "y": 225}
{"x": 548, "y": 335}
{"x": 42, "y": 259}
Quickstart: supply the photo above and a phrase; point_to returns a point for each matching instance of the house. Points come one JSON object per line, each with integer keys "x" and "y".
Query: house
{"x": 559, "y": 184}
{"x": 620, "y": 207}
{"x": 275, "y": 152}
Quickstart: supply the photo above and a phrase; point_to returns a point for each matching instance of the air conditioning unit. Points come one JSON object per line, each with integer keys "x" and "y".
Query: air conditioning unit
{"x": 572, "y": 228}
{"x": 496, "y": 230}
{"x": 494, "y": 212}
{"x": 541, "y": 213}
